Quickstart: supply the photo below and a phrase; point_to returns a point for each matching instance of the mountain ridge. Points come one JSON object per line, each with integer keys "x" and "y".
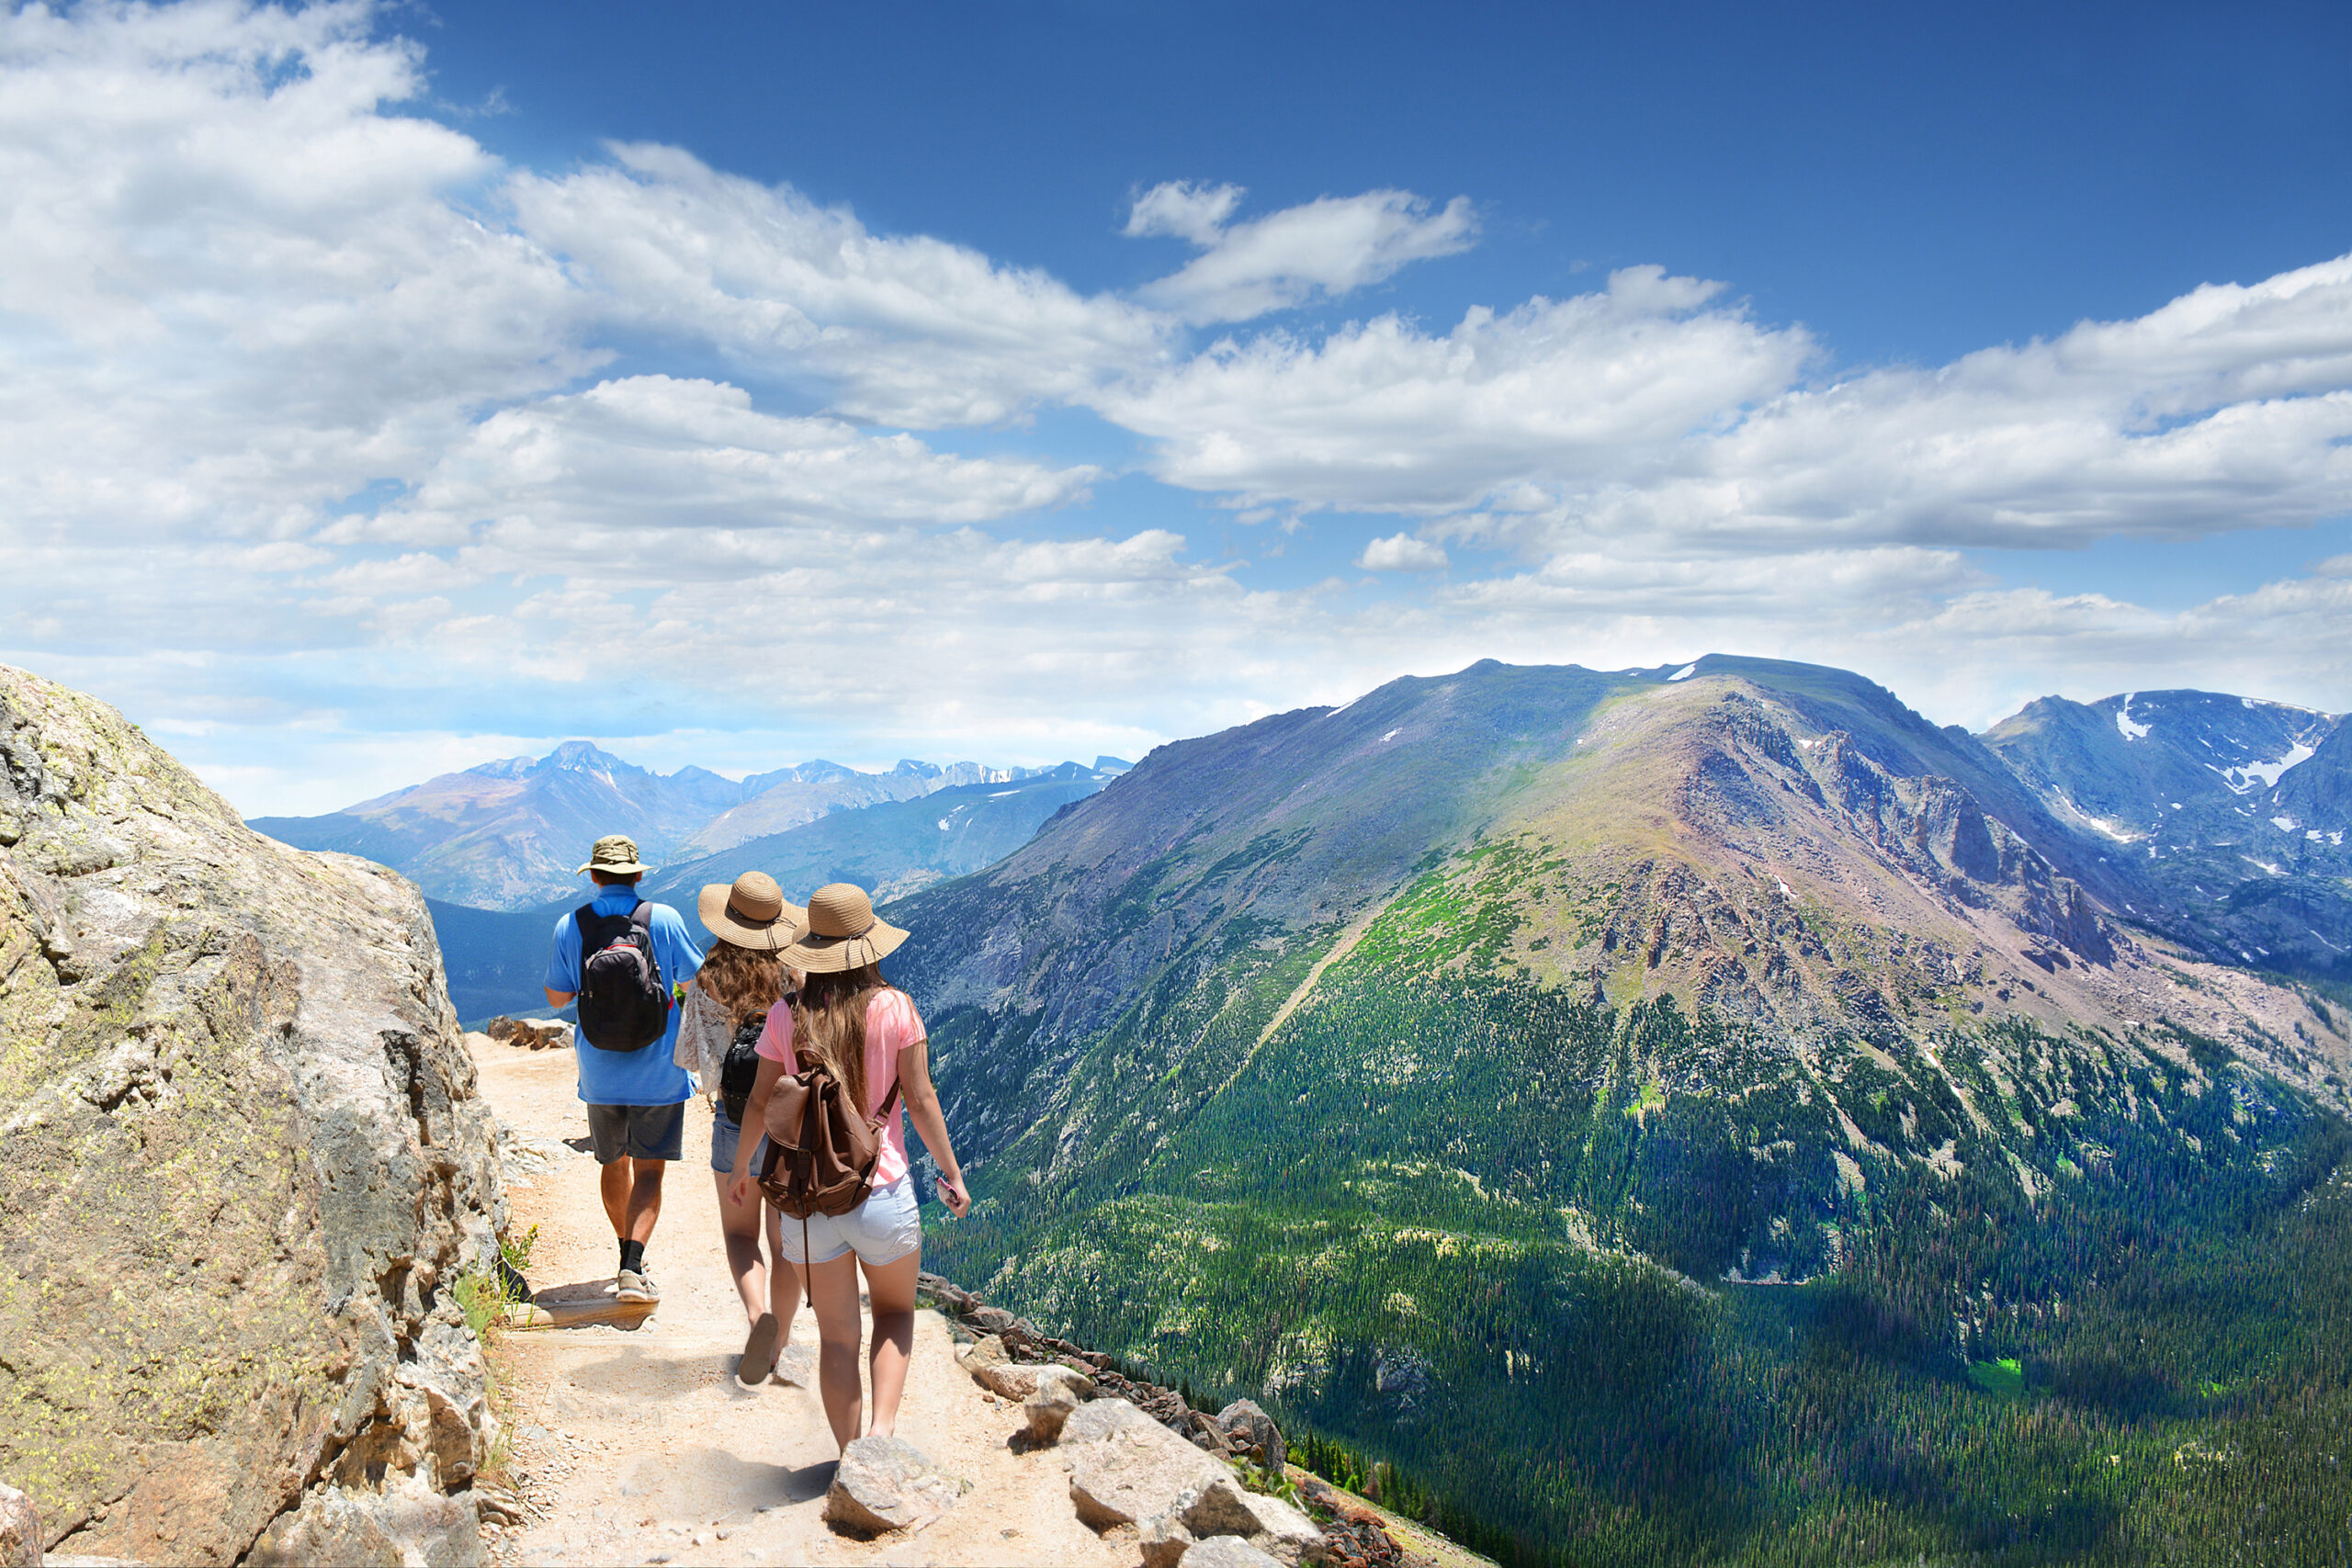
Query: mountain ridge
{"x": 1659, "y": 1018}
{"x": 508, "y": 834}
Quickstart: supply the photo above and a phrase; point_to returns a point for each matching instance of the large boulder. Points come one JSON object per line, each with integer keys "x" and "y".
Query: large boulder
{"x": 1223, "y": 1507}
{"x": 245, "y": 1162}
{"x": 1125, "y": 1468}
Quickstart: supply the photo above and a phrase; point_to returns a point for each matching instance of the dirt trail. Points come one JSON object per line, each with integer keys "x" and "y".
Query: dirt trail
{"x": 637, "y": 1445}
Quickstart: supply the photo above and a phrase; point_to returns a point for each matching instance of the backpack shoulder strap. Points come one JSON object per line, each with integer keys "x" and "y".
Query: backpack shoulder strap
{"x": 587, "y": 925}
{"x": 642, "y": 917}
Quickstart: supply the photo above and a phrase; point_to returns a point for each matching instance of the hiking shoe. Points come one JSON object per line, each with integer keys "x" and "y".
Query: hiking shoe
{"x": 636, "y": 1287}
{"x": 759, "y": 1352}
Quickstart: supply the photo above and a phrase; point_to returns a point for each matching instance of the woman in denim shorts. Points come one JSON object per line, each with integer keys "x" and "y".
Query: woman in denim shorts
{"x": 742, "y": 979}
{"x": 868, "y": 1034}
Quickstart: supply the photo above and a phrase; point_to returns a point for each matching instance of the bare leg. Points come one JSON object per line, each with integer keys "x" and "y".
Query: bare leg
{"x": 785, "y": 1281}
{"x": 644, "y": 1197}
{"x": 891, "y": 1290}
{"x": 613, "y": 1184}
{"x": 738, "y": 1225}
{"x": 838, "y": 1333}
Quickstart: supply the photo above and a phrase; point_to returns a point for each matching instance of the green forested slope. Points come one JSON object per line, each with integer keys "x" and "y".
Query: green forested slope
{"x": 1715, "y": 1146}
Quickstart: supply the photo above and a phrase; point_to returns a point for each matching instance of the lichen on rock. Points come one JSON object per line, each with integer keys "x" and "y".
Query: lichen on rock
{"x": 246, "y": 1160}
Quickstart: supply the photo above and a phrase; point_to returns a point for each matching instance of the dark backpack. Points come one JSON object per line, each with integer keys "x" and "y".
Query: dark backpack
{"x": 741, "y": 1071}
{"x": 622, "y": 1004}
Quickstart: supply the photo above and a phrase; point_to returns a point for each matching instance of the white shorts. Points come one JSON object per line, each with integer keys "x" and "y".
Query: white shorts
{"x": 883, "y": 1229}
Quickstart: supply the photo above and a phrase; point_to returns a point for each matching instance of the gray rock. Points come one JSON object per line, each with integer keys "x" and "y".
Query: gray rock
{"x": 1127, "y": 1469}
{"x": 1227, "y": 1552}
{"x": 885, "y": 1484}
{"x": 1058, "y": 1391}
{"x": 1224, "y": 1507}
{"x": 1164, "y": 1540}
{"x": 1015, "y": 1380}
{"x": 1251, "y": 1430}
{"x": 246, "y": 1159}
{"x": 410, "y": 1523}
{"x": 1106, "y": 1418}
{"x": 981, "y": 1355}
{"x": 21, "y": 1538}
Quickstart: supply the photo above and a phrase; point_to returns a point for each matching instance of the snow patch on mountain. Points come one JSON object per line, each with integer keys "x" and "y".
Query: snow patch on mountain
{"x": 2123, "y": 720}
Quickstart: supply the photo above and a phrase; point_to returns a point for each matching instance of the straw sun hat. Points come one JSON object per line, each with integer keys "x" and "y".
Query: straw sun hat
{"x": 843, "y": 932}
{"x": 752, "y": 913}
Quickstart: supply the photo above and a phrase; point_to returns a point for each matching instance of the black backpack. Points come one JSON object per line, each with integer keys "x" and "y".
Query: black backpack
{"x": 624, "y": 1005}
{"x": 740, "y": 1070}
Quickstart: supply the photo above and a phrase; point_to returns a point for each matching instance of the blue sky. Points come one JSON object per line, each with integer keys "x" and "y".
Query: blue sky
{"x": 391, "y": 388}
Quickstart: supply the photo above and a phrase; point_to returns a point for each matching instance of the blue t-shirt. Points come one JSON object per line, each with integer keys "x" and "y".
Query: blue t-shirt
{"x": 629, "y": 1078}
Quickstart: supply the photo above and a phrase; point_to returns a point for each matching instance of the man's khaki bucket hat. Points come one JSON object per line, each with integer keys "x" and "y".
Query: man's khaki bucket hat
{"x": 752, "y": 913}
{"x": 615, "y": 854}
{"x": 843, "y": 932}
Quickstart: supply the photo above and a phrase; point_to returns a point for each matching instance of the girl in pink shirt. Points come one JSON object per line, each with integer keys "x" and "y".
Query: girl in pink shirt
{"x": 871, "y": 1038}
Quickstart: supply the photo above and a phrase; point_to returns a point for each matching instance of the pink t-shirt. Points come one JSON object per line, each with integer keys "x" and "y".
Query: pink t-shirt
{"x": 891, "y": 1025}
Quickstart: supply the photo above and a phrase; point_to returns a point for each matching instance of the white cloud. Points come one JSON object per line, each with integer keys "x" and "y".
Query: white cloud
{"x": 303, "y": 444}
{"x": 1401, "y": 552}
{"x": 1320, "y": 249}
{"x": 1385, "y": 417}
{"x": 904, "y": 331}
{"x": 1188, "y": 211}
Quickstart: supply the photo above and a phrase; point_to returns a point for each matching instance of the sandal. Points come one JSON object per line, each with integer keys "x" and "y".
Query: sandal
{"x": 759, "y": 1352}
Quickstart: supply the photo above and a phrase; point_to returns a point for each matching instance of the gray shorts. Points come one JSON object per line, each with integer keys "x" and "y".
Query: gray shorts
{"x": 726, "y": 1132}
{"x": 640, "y": 1131}
{"x": 883, "y": 1229}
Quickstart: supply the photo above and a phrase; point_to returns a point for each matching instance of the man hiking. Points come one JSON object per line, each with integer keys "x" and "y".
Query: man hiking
{"x": 624, "y": 959}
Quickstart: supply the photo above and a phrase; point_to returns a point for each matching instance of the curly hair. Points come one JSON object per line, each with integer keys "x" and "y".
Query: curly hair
{"x": 740, "y": 980}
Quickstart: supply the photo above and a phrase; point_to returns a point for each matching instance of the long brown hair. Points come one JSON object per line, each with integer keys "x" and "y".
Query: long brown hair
{"x": 828, "y": 1024}
{"x": 740, "y": 980}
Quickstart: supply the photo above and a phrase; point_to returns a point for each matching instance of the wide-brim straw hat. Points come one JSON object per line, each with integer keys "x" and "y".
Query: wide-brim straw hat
{"x": 752, "y": 913}
{"x": 843, "y": 932}
{"x": 615, "y": 854}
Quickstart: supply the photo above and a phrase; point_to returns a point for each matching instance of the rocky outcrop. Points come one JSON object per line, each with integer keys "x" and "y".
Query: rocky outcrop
{"x": 246, "y": 1164}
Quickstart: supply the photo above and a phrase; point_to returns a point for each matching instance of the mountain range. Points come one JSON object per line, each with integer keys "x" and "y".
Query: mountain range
{"x": 2233, "y": 811}
{"x": 496, "y": 958}
{"x": 510, "y": 835}
{"x": 1705, "y": 1113}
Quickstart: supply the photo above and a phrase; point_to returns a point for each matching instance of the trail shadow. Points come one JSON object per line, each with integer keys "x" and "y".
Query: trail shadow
{"x": 580, "y": 1145}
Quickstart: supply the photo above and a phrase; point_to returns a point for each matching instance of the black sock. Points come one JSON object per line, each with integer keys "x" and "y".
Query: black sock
{"x": 633, "y": 1257}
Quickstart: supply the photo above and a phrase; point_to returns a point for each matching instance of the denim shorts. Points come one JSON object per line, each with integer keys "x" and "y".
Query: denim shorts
{"x": 883, "y": 1229}
{"x": 724, "y": 1134}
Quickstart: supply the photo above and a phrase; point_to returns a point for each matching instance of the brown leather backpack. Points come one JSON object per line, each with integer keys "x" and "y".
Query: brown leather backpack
{"x": 821, "y": 1152}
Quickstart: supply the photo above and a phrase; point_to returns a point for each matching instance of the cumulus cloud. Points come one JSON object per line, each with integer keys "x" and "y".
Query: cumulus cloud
{"x": 1188, "y": 211}
{"x": 309, "y": 435}
{"x": 903, "y": 331}
{"x": 1320, "y": 249}
{"x": 1401, "y": 552}
{"x": 1383, "y": 416}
